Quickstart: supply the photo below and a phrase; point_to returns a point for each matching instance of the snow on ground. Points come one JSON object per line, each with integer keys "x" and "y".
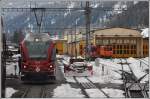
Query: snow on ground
{"x": 65, "y": 90}
{"x": 107, "y": 76}
{"x": 9, "y": 92}
{"x": 70, "y": 79}
{"x": 59, "y": 56}
{"x": 82, "y": 80}
{"x": 146, "y": 59}
{"x": 108, "y": 71}
{"x": 135, "y": 66}
{"x": 16, "y": 56}
{"x": 113, "y": 92}
{"x": 10, "y": 68}
{"x": 95, "y": 93}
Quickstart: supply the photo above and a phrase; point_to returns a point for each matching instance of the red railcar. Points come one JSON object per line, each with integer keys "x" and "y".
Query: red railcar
{"x": 101, "y": 51}
{"x": 38, "y": 57}
{"x": 104, "y": 51}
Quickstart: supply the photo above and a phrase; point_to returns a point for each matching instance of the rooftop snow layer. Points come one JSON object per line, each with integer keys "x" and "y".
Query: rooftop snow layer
{"x": 145, "y": 32}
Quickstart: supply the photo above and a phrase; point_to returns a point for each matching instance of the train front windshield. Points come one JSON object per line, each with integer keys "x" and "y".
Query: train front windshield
{"x": 37, "y": 50}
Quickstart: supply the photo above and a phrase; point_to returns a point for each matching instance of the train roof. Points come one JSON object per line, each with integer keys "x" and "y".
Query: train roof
{"x": 39, "y": 36}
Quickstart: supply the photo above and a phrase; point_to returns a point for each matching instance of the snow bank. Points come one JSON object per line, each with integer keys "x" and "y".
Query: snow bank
{"x": 16, "y": 56}
{"x": 135, "y": 66}
{"x": 70, "y": 79}
{"x": 59, "y": 56}
{"x": 9, "y": 92}
{"x": 95, "y": 93}
{"x": 10, "y": 68}
{"x": 113, "y": 92}
{"x": 82, "y": 79}
{"x": 65, "y": 90}
{"x": 105, "y": 74}
{"x": 145, "y": 32}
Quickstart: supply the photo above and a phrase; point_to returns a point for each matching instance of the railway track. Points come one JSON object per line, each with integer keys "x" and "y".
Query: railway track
{"x": 144, "y": 62}
{"x": 89, "y": 85}
{"x": 39, "y": 93}
{"x": 82, "y": 88}
{"x": 24, "y": 95}
{"x": 134, "y": 90}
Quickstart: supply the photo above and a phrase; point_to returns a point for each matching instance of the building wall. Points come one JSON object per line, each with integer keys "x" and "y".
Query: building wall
{"x": 122, "y": 46}
{"x": 145, "y": 47}
{"x": 127, "y": 43}
{"x": 60, "y": 46}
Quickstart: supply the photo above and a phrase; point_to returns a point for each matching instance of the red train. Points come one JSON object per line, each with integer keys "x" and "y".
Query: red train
{"x": 38, "y": 57}
{"x": 101, "y": 51}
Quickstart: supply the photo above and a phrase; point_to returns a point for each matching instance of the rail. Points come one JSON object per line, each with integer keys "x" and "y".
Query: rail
{"x": 136, "y": 81}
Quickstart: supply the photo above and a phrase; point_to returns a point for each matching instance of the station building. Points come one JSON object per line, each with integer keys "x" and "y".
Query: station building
{"x": 60, "y": 46}
{"x": 124, "y": 41}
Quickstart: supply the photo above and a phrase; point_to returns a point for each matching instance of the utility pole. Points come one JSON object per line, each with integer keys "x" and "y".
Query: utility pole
{"x": 71, "y": 44}
{"x": 2, "y": 64}
{"x": 75, "y": 42}
{"x": 87, "y": 18}
{"x": 67, "y": 43}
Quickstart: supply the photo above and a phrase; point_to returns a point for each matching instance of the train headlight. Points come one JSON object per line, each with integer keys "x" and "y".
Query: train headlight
{"x": 37, "y": 69}
{"x": 51, "y": 66}
{"x": 24, "y": 66}
{"x": 36, "y": 40}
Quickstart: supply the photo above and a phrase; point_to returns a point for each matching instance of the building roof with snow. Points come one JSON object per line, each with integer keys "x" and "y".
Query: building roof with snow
{"x": 144, "y": 32}
{"x": 121, "y": 32}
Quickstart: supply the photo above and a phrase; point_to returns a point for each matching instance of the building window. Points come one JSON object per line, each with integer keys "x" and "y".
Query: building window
{"x": 117, "y": 51}
{"x": 124, "y": 51}
{"x": 127, "y": 46}
{"x": 120, "y": 51}
{"x": 120, "y": 46}
{"x": 117, "y": 46}
{"x": 131, "y": 51}
{"x": 134, "y": 46}
{"x": 134, "y": 51}
{"x": 114, "y": 46}
{"x": 105, "y": 42}
{"x": 127, "y": 51}
{"x": 114, "y": 52}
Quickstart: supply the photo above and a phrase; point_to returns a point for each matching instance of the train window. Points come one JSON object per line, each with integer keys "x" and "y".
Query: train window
{"x": 37, "y": 50}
